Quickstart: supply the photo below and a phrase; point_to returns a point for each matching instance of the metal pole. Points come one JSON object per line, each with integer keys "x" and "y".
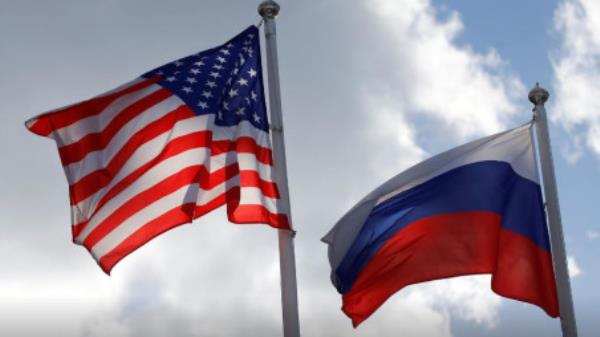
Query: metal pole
{"x": 287, "y": 262}
{"x": 538, "y": 96}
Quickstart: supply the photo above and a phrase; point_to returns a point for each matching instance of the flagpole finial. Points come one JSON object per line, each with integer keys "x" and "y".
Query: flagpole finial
{"x": 268, "y": 9}
{"x": 538, "y": 95}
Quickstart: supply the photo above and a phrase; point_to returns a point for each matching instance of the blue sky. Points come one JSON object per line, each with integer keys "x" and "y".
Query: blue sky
{"x": 369, "y": 88}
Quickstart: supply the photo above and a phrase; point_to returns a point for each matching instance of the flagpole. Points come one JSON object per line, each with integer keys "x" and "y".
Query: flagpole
{"x": 538, "y": 96}
{"x": 287, "y": 263}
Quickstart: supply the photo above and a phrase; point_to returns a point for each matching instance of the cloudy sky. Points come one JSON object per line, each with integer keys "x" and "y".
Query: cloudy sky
{"x": 369, "y": 88}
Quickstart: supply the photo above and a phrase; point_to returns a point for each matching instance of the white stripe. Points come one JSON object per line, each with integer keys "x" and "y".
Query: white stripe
{"x": 246, "y": 161}
{"x": 254, "y": 196}
{"x": 164, "y": 169}
{"x": 96, "y": 123}
{"x": 29, "y": 123}
{"x": 101, "y": 158}
{"x": 243, "y": 129}
{"x": 248, "y": 195}
{"x": 148, "y": 151}
{"x": 513, "y": 147}
{"x": 186, "y": 194}
{"x": 153, "y": 176}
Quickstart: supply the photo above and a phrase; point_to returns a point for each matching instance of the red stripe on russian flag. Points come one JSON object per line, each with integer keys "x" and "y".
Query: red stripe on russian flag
{"x": 450, "y": 245}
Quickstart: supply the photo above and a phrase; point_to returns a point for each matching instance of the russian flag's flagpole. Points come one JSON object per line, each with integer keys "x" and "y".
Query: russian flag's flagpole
{"x": 289, "y": 294}
{"x": 538, "y": 96}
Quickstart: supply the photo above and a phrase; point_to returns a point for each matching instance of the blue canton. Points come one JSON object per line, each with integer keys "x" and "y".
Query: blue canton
{"x": 225, "y": 81}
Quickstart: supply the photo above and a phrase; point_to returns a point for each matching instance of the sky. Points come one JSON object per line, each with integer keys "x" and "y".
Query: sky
{"x": 369, "y": 88}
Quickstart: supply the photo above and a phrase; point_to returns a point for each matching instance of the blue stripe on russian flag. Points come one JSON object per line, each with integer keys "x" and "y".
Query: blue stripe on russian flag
{"x": 491, "y": 186}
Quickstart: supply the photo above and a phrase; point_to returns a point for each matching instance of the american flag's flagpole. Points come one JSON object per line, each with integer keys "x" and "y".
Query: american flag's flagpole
{"x": 289, "y": 294}
{"x": 538, "y": 96}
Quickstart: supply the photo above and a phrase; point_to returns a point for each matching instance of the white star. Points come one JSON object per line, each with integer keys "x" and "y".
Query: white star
{"x": 220, "y": 114}
{"x": 195, "y": 71}
{"x": 250, "y": 51}
{"x": 203, "y": 105}
{"x": 191, "y": 80}
{"x": 235, "y": 71}
{"x": 160, "y": 72}
{"x": 253, "y": 95}
{"x": 242, "y": 59}
{"x": 207, "y": 94}
{"x": 226, "y": 105}
{"x": 229, "y": 45}
{"x": 240, "y": 111}
{"x": 215, "y": 74}
{"x": 199, "y": 63}
{"x": 170, "y": 79}
{"x": 252, "y": 72}
{"x": 218, "y": 66}
{"x": 211, "y": 84}
{"x": 178, "y": 63}
{"x": 224, "y": 51}
{"x": 242, "y": 81}
{"x": 247, "y": 42}
{"x": 250, "y": 36}
{"x": 221, "y": 59}
{"x": 247, "y": 100}
{"x": 187, "y": 89}
{"x": 233, "y": 93}
{"x": 256, "y": 118}
{"x": 229, "y": 81}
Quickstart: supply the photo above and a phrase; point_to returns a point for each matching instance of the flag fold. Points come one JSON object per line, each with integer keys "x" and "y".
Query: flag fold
{"x": 166, "y": 148}
{"x": 475, "y": 209}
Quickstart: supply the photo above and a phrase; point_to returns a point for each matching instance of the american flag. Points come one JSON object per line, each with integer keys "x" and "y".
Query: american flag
{"x": 166, "y": 148}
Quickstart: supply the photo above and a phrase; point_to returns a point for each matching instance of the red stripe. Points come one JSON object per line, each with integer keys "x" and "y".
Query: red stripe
{"x": 524, "y": 272}
{"x": 257, "y": 214}
{"x": 213, "y": 204}
{"x": 452, "y": 245}
{"x": 183, "y": 214}
{"x": 193, "y": 174}
{"x": 180, "y": 215}
{"x": 76, "y": 151}
{"x": 243, "y": 145}
{"x": 176, "y": 146}
{"x": 248, "y": 214}
{"x": 250, "y": 178}
{"x": 186, "y": 176}
{"x": 98, "y": 179}
{"x": 46, "y": 123}
{"x": 242, "y": 214}
{"x": 173, "y": 218}
{"x": 207, "y": 181}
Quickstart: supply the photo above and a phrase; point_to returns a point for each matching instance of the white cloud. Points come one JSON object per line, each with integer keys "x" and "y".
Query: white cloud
{"x": 415, "y": 312}
{"x": 577, "y": 75}
{"x": 592, "y": 235}
{"x": 469, "y": 298}
{"x": 395, "y": 134}
{"x": 461, "y": 91}
{"x": 573, "y": 267}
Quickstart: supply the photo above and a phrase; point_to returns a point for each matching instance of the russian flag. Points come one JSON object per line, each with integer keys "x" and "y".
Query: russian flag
{"x": 475, "y": 209}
